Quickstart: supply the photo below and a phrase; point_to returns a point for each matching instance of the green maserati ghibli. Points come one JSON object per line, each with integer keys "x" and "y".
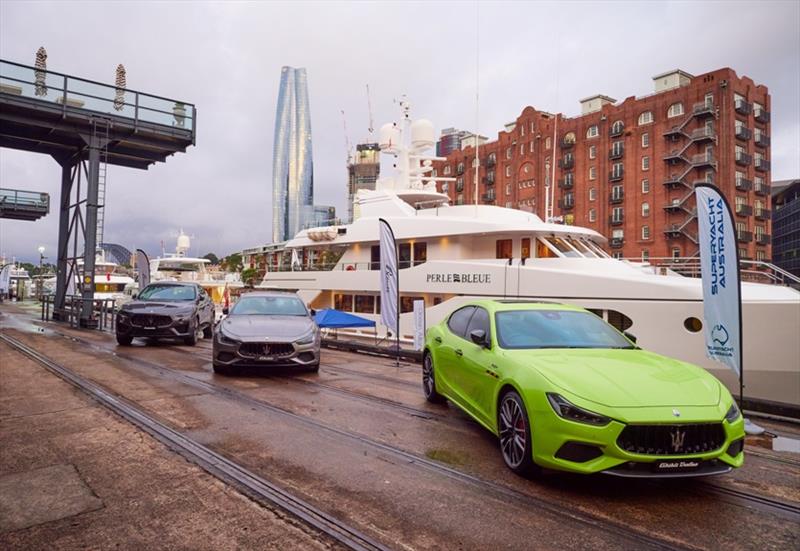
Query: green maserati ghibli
{"x": 563, "y": 389}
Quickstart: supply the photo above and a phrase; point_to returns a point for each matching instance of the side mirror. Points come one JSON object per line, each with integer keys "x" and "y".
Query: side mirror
{"x": 313, "y": 312}
{"x": 478, "y": 336}
{"x": 134, "y": 295}
{"x": 631, "y": 337}
{"x": 225, "y": 311}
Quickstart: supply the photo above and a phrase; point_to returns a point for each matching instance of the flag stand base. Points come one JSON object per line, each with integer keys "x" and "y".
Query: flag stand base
{"x": 751, "y": 428}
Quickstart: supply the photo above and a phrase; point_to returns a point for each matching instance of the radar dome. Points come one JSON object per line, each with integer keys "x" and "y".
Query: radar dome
{"x": 389, "y": 138}
{"x": 184, "y": 244}
{"x": 422, "y": 135}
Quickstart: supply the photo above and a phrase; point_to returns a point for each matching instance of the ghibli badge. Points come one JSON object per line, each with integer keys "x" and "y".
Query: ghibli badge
{"x": 676, "y": 413}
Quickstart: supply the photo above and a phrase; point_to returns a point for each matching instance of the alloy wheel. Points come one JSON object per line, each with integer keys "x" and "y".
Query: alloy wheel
{"x": 513, "y": 434}
{"x": 427, "y": 375}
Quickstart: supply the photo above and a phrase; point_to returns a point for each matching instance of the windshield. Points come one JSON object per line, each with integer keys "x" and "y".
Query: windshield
{"x": 168, "y": 292}
{"x": 556, "y": 329}
{"x": 269, "y": 306}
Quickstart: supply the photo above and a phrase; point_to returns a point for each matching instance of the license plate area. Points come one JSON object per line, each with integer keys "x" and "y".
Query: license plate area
{"x": 266, "y": 358}
{"x": 677, "y": 466}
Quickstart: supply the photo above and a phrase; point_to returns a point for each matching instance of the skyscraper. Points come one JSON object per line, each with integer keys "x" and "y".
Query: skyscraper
{"x": 292, "y": 164}
{"x": 362, "y": 172}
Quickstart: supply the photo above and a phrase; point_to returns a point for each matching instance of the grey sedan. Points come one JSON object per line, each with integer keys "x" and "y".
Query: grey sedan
{"x": 267, "y": 329}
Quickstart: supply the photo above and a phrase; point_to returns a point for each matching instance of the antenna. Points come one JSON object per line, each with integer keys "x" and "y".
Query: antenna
{"x": 371, "y": 128}
{"x": 346, "y": 138}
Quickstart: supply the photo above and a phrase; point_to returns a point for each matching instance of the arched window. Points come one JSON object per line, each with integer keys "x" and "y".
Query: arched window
{"x": 617, "y": 128}
{"x": 592, "y": 131}
{"x": 646, "y": 118}
{"x": 675, "y": 110}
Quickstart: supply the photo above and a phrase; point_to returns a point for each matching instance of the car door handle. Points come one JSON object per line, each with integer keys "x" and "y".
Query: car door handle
{"x": 438, "y": 340}
{"x": 459, "y": 352}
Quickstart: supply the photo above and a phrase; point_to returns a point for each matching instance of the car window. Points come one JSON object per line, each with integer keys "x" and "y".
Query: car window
{"x": 480, "y": 320}
{"x": 269, "y": 306}
{"x": 168, "y": 292}
{"x": 459, "y": 320}
{"x": 556, "y": 329}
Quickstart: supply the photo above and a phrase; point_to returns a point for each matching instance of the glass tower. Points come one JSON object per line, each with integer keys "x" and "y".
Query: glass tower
{"x": 292, "y": 168}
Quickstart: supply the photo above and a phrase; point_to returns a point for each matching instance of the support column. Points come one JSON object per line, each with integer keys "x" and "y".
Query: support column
{"x": 63, "y": 240}
{"x": 90, "y": 241}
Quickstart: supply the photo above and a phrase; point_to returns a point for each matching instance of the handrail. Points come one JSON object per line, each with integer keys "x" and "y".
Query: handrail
{"x": 757, "y": 269}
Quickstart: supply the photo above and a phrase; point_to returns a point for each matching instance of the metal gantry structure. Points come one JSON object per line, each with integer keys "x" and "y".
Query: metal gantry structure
{"x": 85, "y": 126}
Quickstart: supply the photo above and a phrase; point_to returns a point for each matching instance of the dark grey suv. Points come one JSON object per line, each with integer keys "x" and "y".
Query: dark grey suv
{"x": 267, "y": 329}
{"x": 167, "y": 310}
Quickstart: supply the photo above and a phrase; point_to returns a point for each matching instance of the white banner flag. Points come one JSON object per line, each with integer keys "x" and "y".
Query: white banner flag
{"x": 388, "y": 275}
{"x": 720, "y": 271}
{"x": 5, "y": 279}
{"x": 419, "y": 324}
{"x": 143, "y": 266}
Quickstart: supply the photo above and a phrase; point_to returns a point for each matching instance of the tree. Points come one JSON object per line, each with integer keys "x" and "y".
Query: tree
{"x": 249, "y": 276}
{"x": 233, "y": 262}
{"x": 212, "y": 257}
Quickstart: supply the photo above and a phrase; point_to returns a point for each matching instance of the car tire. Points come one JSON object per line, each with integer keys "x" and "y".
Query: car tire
{"x": 192, "y": 339}
{"x": 314, "y": 368}
{"x": 208, "y": 330}
{"x": 124, "y": 340}
{"x": 429, "y": 381}
{"x": 514, "y": 431}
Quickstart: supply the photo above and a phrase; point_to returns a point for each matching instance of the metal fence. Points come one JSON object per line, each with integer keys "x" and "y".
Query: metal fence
{"x": 104, "y": 310}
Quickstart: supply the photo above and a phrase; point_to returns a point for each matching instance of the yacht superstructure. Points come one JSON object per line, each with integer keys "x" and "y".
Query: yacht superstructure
{"x": 451, "y": 254}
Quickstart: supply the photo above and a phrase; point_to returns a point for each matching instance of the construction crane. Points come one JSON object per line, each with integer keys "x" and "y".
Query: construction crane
{"x": 369, "y": 109}
{"x": 348, "y": 152}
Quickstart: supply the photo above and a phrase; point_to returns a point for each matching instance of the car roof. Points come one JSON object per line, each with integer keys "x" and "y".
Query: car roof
{"x": 270, "y": 294}
{"x": 502, "y": 305}
{"x": 174, "y": 283}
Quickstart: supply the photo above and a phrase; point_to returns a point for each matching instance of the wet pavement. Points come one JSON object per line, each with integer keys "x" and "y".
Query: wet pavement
{"x": 359, "y": 441}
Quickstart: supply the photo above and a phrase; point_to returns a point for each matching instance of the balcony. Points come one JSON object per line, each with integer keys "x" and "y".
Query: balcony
{"x": 762, "y": 165}
{"x": 761, "y": 114}
{"x": 703, "y": 159}
{"x": 616, "y": 197}
{"x": 567, "y": 144}
{"x": 616, "y": 153}
{"x": 705, "y": 180}
{"x": 761, "y": 188}
{"x": 763, "y": 239}
{"x": 703, "y": 109}
{"x": 762, "y": 214}
{"x": 703, "y": 133}
{"x": 566, "y": 183}
{"x": 743, "y": 133}
{"x": 762, "y": 140}
{"x": 742, "y": 107}
{"x": 488, "y": 197}
{"x": 743, "y": 159}
{"x": 616, "y": 220}
{"x": 743, "y": 210}
{"x": 744, "y": 236}
{"x": 743, "y": 184}
{"x": 615, "y": 175}
{"x": 567, "y": 162}
{"x": 674, "y": 180}
{"x": 617, "y": 130}
{"x": 566, "y": 203}
{"x": 675, "y": 155}
{"x": 617, "y": 242}
{"x": 17, "y": 204}
{"x": 673, "y": 207}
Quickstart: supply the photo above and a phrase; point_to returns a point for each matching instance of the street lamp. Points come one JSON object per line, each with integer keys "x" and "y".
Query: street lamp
{"x": 41, "y": 263}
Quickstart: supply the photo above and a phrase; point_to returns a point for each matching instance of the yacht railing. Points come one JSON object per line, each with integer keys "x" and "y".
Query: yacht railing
{"x": 757, "y": 271}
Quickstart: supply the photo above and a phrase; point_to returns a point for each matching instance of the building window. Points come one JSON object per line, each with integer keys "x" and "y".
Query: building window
{"x": 761, "y": 255}
{"x": 508, "y": 189}
{"x": 445, "y": 187}
{"x": 592, "y": 194}
{"x": 446, "y": 170}
{"x": 592, "y": 173}
{"x": 509, "y": 152}
{"x": 616, "y": 170}
{"x": 646, "y": 118}
{"x": 645, "y": 186}
{"x": 459, "y": 184}
{"x": 676, "y": 252}
{"x": 592, "y": 215}
{"x": 645, "y": 232}
{"x": 617, "y": 127}
{"x": 531, "y": 147}
{"x": 592, "y": 151}
{"x": 618, "y": 234}
{"x": 617, "y": 214}
{"x": 645, "y": 209}
{"x": 460, "y": 199}
{"x": 646, "y": 139}
{"x": 521, "y": 129}
{"x": 508, "y": 204}
{"x": 522, "y": 149}
{"x": 709, "y": 100}
{"x": 547, "y": 142}
{"x": 675, "y": 110}
{"x": 593, "y": 131}
{"x": 645, "y": 255}
{"x": 460, "y": 168}
{"x": 508, "y": 171}
{"x": 569, "y": 137}
{"x": 646, "y": 163}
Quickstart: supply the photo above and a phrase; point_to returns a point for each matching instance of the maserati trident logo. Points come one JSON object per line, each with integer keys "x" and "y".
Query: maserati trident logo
{"x": 676, "y": 413}
{"x": 677, "y": 436}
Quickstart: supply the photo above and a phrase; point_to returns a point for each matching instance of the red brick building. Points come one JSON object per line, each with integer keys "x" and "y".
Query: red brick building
{"x": 627, "y": 169}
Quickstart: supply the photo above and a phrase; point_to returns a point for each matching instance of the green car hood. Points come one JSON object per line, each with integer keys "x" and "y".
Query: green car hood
{"x": 623, "y": 378}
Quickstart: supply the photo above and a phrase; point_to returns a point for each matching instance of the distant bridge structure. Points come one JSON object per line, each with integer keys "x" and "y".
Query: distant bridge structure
{"x": 85, "y": 126}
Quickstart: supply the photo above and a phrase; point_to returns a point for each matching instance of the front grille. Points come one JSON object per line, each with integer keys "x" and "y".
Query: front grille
{"x": 266, "y": 349}
{"x": 150, "y": 320}
{"x": 672, "y": 439}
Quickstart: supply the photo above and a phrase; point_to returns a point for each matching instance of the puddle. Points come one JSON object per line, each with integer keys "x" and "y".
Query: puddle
{"x": 777, "y": 443}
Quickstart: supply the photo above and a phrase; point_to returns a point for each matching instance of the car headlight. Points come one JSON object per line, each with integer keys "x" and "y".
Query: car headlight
{"x": 733, "y": 413}
{"x": 307, "y": 339}
{"x": 224, "y": 339}
{"x": 571, "y": 412}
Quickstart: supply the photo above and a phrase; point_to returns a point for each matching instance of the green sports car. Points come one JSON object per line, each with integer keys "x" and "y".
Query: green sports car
{"x": 563, "y": 389}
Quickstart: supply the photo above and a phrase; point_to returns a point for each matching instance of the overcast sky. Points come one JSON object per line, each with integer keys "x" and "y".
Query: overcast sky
{"x": 226, "y": 58}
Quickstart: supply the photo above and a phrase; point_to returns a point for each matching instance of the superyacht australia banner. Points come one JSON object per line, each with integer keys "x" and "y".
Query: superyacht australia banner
{"x": 720, "y": 270}
{"x": 389, "y": 275}
{"x": 143, "y": 266}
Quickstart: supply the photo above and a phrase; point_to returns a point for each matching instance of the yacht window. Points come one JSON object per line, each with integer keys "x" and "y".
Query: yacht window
{"x": 597, "y": 250}
{"x": 375, "y": 258}
{"x": 544, "y": 249}
{"x": 343, "y": 303}
{"x": 407, "y": 303}
{"x": 564, "y": 247}
{"x": 420, "y": 253}
{"x": 580, "y": 247}
{"x": 503, "y": 248}
{"x": 404, "y": 255}
{"x": 365, "y": 304}
{"x": 526, "y": 247}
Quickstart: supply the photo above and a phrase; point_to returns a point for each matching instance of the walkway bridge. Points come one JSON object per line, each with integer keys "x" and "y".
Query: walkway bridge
{"x": 85, "y": 126}
{"x": 17, "y": 204}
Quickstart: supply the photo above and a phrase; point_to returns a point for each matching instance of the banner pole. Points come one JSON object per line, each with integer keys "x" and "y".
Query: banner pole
{"x": 397, "y": 311}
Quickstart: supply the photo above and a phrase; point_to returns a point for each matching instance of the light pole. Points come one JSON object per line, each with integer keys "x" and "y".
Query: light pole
{"x": 41, "y": 281}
